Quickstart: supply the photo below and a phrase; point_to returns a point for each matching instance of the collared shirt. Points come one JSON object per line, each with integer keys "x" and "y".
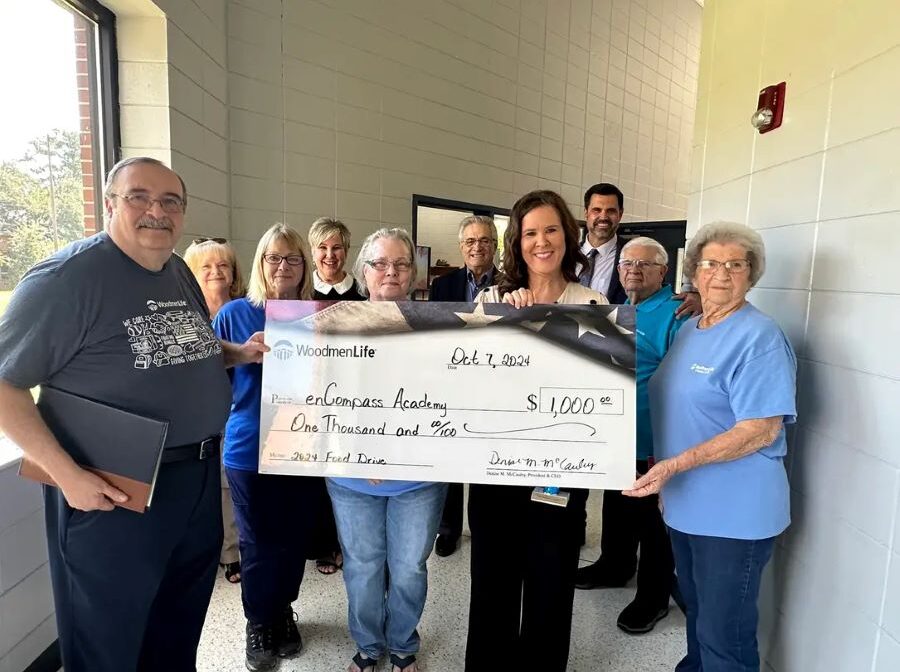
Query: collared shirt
{"x": 656, "y": 329}
{"x": 324, "y": 287}
{"x": 605, "y": 264}
{"x": 473, "y": 286}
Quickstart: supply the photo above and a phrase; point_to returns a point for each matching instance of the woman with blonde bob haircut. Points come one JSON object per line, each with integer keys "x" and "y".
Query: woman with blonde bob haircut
{"x": 329, "y": 242}
{"x": 273, "y": 553}
{"x": 215, "y": 266}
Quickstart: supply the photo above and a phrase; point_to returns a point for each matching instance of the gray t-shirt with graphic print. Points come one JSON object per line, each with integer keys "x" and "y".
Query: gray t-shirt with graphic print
{"x": 91, "y": 321}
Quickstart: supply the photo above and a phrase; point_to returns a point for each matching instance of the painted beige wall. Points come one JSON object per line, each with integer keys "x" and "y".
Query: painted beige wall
{"x": 824, "y": 191}
{"x": 296, "y": 109}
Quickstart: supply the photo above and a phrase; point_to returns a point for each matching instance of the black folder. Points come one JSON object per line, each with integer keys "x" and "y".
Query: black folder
{"x": 121, "y": 447}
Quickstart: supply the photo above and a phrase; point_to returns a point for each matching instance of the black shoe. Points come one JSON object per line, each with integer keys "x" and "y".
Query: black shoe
{"x": 638, "y": 618}
{"x": 287, "y": 637}
{"x": 260, "y": 647}
{"x": 596, "y": 576}
{"x": 446, "y": 545}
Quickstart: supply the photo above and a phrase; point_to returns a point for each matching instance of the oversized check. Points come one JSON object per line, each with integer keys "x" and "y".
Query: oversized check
{"x": 477, "y": 393}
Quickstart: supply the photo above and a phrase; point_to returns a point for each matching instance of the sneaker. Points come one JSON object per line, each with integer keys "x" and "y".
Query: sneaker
{"x": 260, "y": 647}
{"x": 639, "y": 618}
{"x": 287, "y": 637}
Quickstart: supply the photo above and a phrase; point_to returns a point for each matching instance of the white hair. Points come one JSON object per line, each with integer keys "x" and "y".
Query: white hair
{"x": 365, "y": 254}
{"x": 662, "y": 257}
{"x": 477, "y": 219}
{"x": 727, "y": 232}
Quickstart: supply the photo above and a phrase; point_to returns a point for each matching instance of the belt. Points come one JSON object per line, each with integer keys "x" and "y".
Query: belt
{"x": 202, "y": 450}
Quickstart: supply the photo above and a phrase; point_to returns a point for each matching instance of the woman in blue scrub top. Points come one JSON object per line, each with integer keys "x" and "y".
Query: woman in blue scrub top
{"x": 719, "y": 402}
{"x": 273, "y": 539}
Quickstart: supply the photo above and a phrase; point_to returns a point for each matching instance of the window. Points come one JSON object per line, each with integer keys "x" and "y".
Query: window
{"x": 58, "y": 128}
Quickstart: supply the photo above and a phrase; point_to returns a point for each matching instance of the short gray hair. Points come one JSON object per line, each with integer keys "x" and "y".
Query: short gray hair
{"x": 477, "y": 219}
{"x": 324, "y": 228}
{"x": 662, "y": 257}
{"x": 727, "y": 232}
{"x": 113, "y": 174}
{"x": 365, "y": 254}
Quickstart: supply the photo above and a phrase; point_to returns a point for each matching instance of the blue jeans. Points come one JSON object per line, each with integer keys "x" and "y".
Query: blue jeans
{"x": 719, "y": 580}
{"x": 396, "y": 534}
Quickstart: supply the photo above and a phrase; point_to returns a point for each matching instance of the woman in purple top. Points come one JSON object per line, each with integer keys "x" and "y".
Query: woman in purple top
{"x": 386, "y": 527}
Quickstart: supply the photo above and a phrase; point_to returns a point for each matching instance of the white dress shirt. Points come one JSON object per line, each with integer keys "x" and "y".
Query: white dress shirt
{"x": 605, "y": 264}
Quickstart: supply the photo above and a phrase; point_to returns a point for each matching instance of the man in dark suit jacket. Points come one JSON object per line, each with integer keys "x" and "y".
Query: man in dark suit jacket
{"x": 478, "y": 245}
{"x": 604, "y": 205}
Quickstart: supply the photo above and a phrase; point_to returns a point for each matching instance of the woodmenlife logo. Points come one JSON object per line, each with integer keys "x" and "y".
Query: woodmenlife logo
{"x": 284, "y": 350}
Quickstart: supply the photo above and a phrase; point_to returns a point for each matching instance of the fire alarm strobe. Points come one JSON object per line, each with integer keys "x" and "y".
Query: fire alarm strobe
{"x": 769, "y": 109}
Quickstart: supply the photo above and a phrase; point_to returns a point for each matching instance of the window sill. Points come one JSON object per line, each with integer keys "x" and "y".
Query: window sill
{"x": 10, "y": 453}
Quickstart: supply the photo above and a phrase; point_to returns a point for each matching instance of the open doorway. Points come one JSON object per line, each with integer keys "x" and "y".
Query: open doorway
{"x": 435, "y": 226}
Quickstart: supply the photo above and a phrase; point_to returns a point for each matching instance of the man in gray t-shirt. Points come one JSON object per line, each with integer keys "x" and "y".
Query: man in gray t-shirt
{"x": 119, "y": 319}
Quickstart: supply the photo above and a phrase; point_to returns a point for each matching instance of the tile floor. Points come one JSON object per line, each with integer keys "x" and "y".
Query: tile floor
{"x": 597, "y": 645}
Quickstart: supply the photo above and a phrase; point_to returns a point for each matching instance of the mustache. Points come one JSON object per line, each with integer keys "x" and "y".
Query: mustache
{"x": 151, "y": 222}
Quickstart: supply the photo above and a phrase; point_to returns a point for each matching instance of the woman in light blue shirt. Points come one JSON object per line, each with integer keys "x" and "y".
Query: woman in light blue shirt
{"x": 719, "y": 402}
{"x": 386, "y": 528}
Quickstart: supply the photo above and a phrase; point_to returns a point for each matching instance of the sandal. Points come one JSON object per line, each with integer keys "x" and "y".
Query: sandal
{"x": 329, "y": 566}
{"x": 233, "y": 572}
{"x": 361, "y": 664}
{"x": 405, "y": 664}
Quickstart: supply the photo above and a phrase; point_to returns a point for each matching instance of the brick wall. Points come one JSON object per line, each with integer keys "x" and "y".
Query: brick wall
{"x": 83, "y": 30}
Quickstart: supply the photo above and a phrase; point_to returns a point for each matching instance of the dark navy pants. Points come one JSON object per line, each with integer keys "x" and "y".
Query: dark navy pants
{"x": 276, "y": 517}
{"x": 131, "y": 590}
{"x": 719, "y": 580}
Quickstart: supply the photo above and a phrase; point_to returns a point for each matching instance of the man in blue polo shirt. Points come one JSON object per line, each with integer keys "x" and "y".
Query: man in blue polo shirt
{"x": 629, "y": 523}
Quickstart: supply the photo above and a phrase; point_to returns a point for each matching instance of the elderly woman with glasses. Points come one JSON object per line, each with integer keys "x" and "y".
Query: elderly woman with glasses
{"x": 718, "y": 405}
{"x": 386, "y": 528}
{"x": 274, "y": 513}
{"x": 215, "y": 266}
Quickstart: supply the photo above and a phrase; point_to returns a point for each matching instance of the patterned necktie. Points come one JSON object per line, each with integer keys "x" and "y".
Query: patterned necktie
{"x": 587, "y": 273}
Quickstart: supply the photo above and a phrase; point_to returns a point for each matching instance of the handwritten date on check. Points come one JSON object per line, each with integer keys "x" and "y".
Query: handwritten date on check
{"x": 456, "y": 392}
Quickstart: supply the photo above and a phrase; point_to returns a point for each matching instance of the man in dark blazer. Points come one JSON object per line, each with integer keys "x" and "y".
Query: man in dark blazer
{"x": 478, "y": 245}
{"x": 604, "y": 205}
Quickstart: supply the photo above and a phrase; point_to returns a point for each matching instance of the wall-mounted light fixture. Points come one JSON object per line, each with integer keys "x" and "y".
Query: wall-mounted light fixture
{"x": 769, "y": 108}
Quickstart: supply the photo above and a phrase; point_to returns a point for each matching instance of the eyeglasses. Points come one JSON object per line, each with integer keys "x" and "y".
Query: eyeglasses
{"x": 220, "y": 241}
{"x": 170, "y": 204}
{"x": 276, "y": 259}
{"x": 637, "y": 264}
{"x": 400, "y": 265}
{"x": 732, "y": 266}
{"x": 470, "y": 242}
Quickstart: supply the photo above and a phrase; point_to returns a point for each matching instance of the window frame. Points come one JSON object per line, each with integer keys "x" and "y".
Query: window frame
{"x": 104, "y": 86}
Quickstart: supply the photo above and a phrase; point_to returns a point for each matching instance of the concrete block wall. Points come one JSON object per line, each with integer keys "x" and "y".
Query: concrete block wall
{"x": 823, "y": 192}
{"x": 348, "y": 108}
{"x": 27, "y": 617}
